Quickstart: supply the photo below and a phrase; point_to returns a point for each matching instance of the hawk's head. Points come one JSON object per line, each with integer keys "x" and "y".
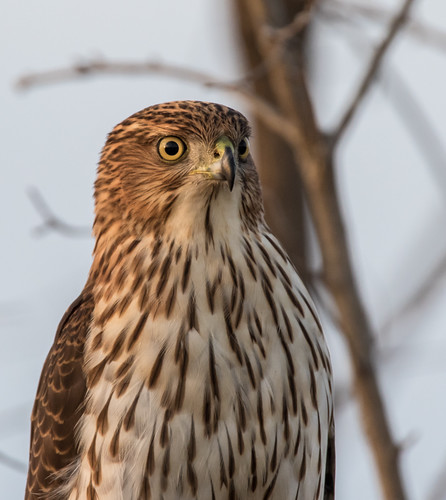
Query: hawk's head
{"x": 172, "y": 161}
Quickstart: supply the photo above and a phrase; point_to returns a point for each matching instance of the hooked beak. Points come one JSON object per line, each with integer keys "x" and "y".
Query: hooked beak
{"x": 224, "y": 166}
{"x": 228, "y": 167}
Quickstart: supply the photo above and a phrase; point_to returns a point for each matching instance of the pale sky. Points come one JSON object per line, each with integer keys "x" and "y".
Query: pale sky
{"x": 394, "y": 200}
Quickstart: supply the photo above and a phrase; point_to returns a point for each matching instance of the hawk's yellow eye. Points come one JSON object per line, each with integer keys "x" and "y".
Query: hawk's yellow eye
{"x": 243, "y": 149}
{"x": 171, "y": 148}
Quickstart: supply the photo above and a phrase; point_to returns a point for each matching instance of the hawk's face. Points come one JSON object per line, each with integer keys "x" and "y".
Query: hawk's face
{"x": 177, "y": 154}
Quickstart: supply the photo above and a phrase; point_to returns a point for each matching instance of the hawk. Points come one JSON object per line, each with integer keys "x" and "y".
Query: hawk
{"x": 193, "y": 364}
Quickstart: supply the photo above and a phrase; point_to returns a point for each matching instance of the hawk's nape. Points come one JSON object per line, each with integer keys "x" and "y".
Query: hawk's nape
{"x": 193, "y": 365}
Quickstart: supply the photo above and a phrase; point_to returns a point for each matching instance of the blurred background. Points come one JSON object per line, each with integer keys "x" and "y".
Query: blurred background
{"x": 388, "y": 161}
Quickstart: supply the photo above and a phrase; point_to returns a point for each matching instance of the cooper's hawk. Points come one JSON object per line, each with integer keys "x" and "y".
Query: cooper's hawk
{"x": 193, "y": 364}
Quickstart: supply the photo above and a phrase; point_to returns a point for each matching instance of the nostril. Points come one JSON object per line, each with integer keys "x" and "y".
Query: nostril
{"x": 217, "y": 154}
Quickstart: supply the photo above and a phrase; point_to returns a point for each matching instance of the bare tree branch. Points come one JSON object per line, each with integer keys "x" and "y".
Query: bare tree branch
{"x": 373, "y": 67}
{"x": 425, "y": 33}
{"x": 283, "y": 195}
{"x": 50, "y": 221}
{"x": 114, "y": 68}
{"x": 314, "y": 158}
{"x": 278, "y": 36}
{"x": 258, "y": 106}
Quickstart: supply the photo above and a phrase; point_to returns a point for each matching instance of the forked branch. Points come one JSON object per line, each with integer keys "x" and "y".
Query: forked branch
{"x": 51, "y": 221}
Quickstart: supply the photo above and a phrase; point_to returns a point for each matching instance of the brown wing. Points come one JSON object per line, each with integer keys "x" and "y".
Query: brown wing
{"x": 58, "y": 403}
{"x": 330, "y": 467}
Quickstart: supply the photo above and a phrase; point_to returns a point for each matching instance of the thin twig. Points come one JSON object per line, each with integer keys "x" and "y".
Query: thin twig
{"x": 111, "y": 68}
{"x": 52, "y": 222}
{"x": 424, "y": 32}
{"x": 372, "y": 69}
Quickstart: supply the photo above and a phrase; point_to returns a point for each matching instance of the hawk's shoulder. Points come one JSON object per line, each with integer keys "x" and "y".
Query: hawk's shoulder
{"x": 59, "y": 398}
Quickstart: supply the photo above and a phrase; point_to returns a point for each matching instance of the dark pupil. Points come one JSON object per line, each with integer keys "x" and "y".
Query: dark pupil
{"x": 242, "y": 148}
{"x": 171, "y": 148}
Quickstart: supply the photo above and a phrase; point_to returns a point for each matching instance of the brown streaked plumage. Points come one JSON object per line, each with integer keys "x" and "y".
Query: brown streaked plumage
{"x": 58, "y": 404}
{"x": 193, "y": 365}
